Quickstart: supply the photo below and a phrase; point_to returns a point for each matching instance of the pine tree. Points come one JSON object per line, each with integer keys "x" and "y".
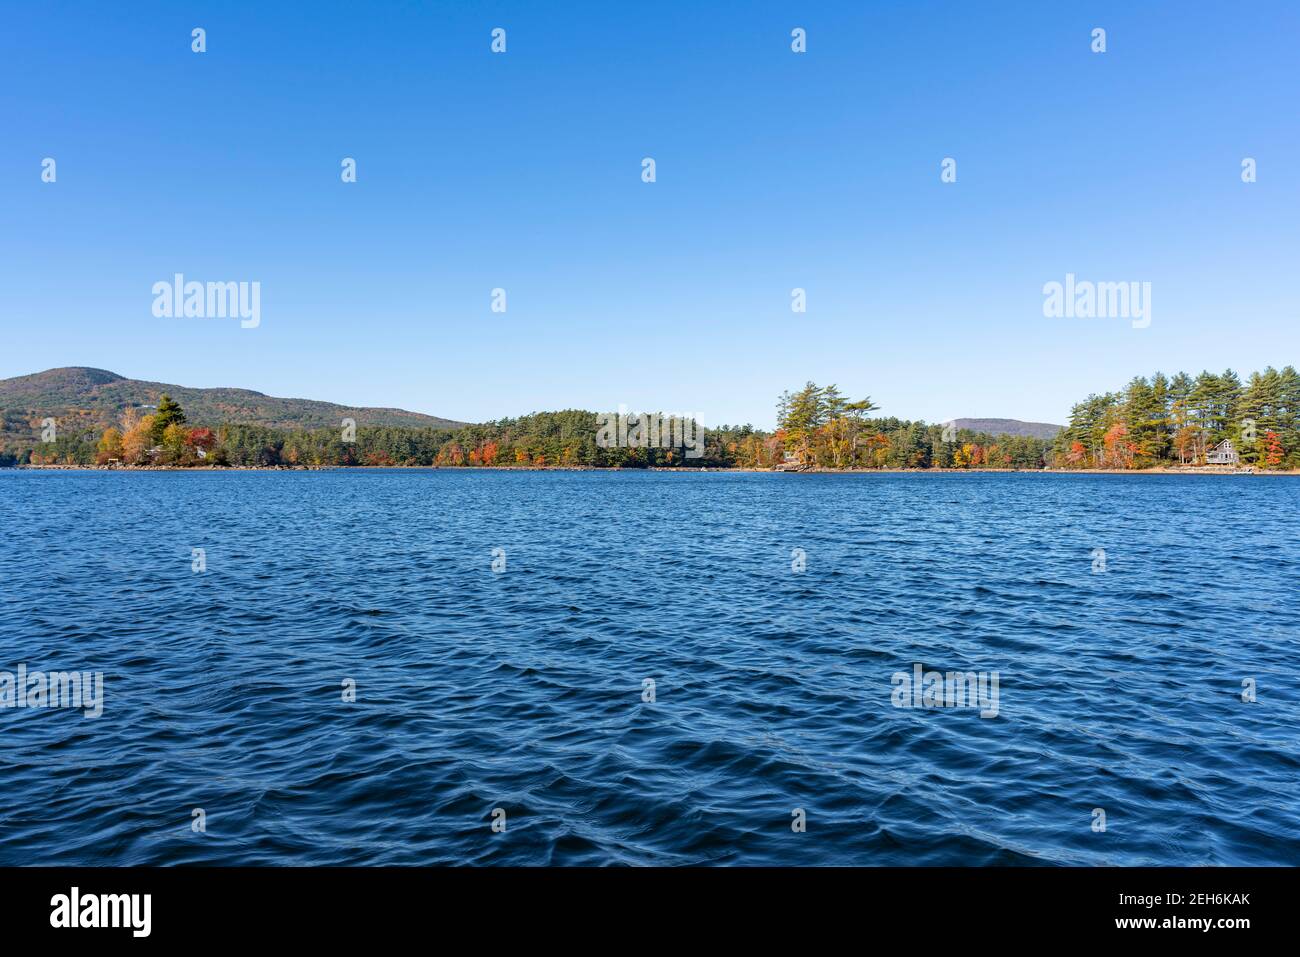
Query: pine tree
{"x": 169, "y": 413}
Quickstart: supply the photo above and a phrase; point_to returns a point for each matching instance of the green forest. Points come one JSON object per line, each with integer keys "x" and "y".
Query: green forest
{"x": 1153, "y": 422}
{"x": 1163, "y": 421}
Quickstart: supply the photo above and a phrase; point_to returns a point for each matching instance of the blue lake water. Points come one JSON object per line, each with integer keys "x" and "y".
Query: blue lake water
{"x": 522, "y": 689}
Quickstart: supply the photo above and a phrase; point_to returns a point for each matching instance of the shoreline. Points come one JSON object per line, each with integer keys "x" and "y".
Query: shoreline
{"x": 1159, "y": 470}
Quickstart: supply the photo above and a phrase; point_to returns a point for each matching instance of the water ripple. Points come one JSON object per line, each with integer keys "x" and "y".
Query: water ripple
{"x": 523, "y": 691}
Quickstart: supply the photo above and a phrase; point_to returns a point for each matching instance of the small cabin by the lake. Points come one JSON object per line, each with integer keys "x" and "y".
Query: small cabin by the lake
{"x": 1225, "y": 453}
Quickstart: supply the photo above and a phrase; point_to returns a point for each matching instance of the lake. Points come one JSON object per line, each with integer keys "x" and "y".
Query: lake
{"x": 650, "y": 668}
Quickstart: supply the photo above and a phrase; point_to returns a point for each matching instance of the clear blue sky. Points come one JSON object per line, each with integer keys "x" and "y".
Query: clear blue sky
{"x": 775, "y": 170}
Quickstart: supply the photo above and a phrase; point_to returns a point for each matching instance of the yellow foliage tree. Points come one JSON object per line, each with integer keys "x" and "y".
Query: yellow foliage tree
{"x": 137, "y": 441}
{"x": 110, "y": 446}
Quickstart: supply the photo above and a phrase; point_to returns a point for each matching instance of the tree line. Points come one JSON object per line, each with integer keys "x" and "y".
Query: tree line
{"x": 1177, "y": 420}
{"x": 818, "y": 429}
{"x": 1152, "y": 422}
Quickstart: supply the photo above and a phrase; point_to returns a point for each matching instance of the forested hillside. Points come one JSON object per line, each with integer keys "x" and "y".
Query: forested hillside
{"x": 90, "y": 400}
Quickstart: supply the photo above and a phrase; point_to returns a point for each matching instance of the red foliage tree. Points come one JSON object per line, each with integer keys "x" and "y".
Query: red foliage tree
{"x": 203, "y": 439}
{"x": 1273, "y": 451}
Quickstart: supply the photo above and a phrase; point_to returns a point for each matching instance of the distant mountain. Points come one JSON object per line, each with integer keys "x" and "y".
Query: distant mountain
{"x": 78, "y": 396}
{"x": 1037, "y": 430}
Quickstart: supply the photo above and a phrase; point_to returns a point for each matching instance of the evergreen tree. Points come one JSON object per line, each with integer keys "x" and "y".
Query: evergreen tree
{"x": 169, "y": 413}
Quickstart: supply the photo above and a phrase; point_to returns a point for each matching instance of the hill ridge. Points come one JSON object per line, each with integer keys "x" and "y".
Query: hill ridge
{"x": 100, "y": 397}
{"x": 1037, "y": 430}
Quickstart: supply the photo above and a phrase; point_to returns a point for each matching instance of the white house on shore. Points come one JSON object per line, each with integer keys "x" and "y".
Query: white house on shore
{"x": 1225, "y": 453}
